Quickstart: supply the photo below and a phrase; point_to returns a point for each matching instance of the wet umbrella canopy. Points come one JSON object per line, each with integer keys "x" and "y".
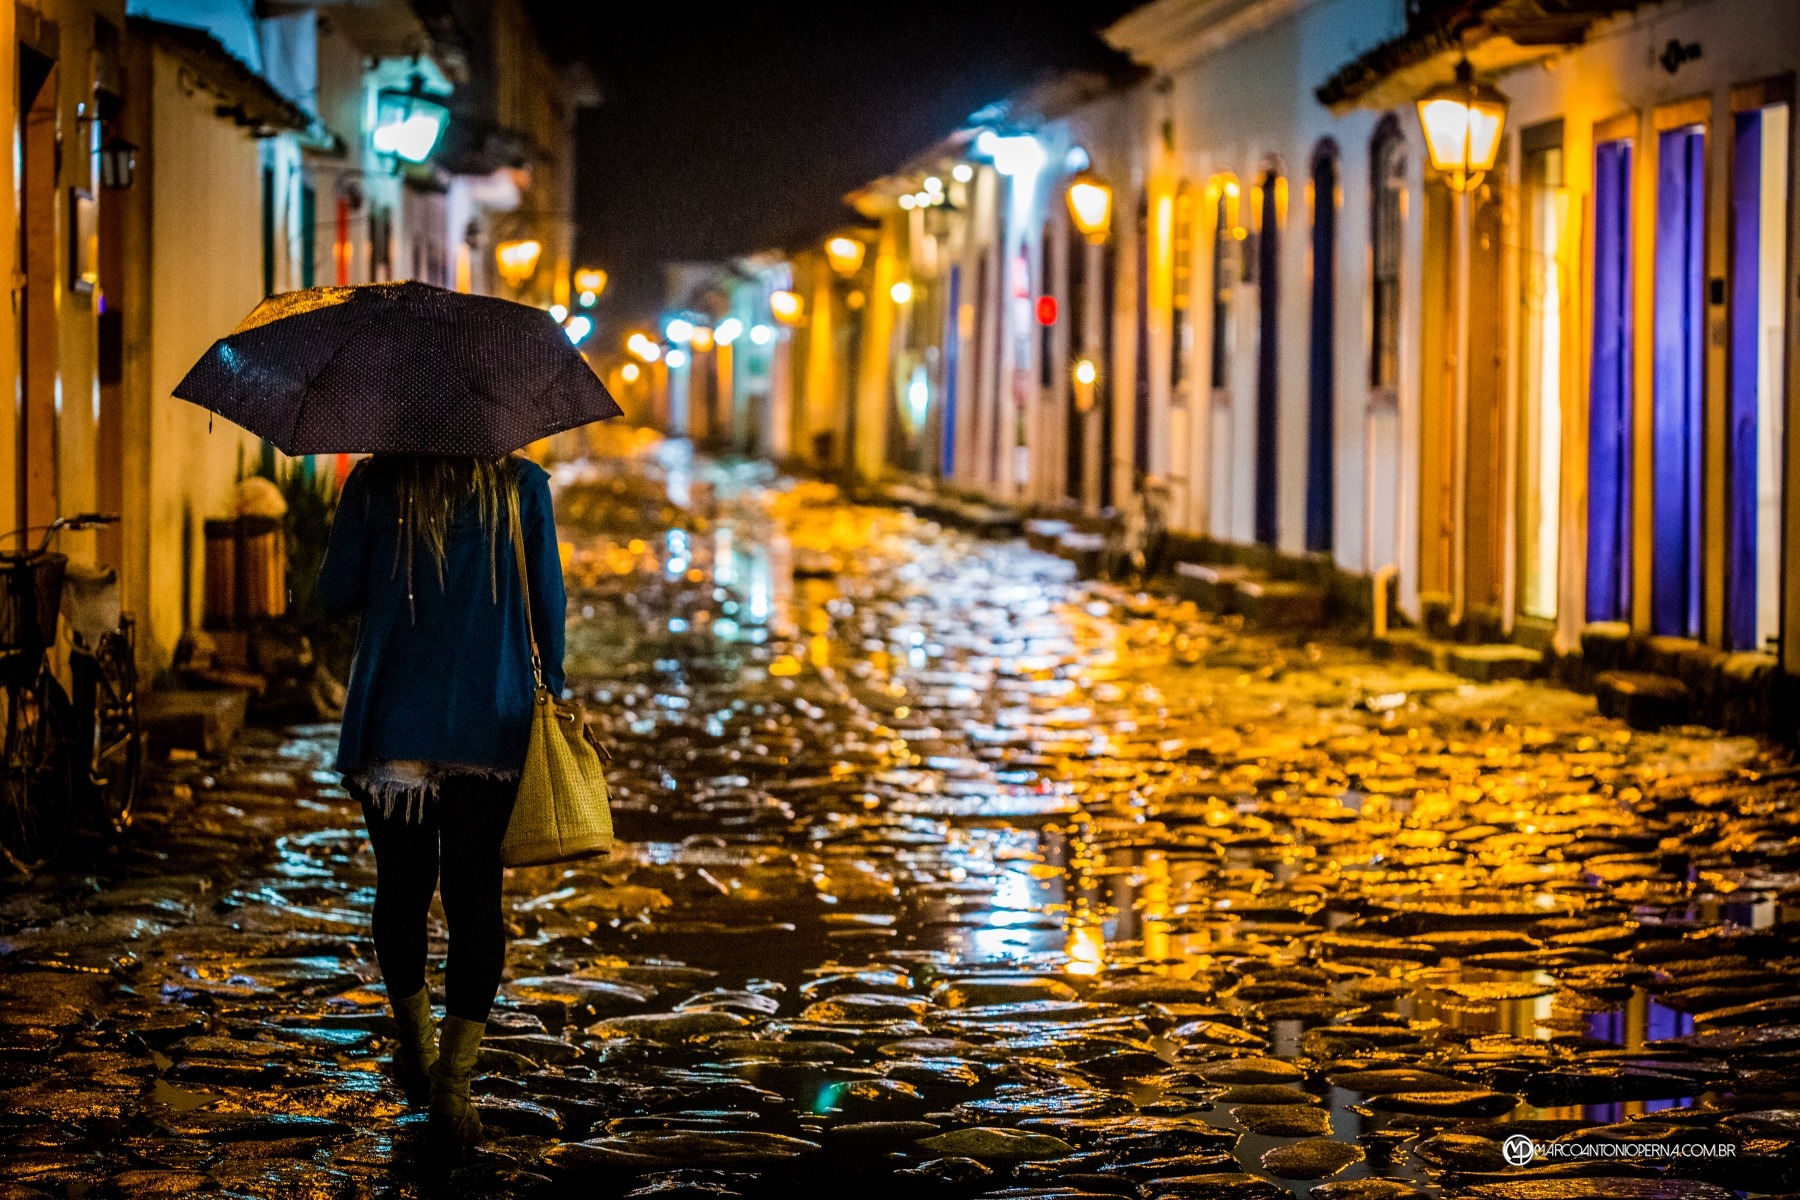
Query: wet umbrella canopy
{"x": 397, "y": 367}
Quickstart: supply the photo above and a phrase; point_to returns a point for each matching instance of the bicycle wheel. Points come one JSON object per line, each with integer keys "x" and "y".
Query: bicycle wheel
{"x": 36, "y": 800}
{"x": 116, "y": 753}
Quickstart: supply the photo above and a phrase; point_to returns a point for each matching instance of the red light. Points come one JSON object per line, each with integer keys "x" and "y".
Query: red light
{"x": 1046, "y": 310}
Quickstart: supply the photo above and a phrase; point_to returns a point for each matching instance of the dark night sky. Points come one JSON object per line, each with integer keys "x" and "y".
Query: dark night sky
{"x": 726, "y": 129}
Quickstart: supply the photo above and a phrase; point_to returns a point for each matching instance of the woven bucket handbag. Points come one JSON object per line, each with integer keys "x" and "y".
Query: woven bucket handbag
{"x": 563, "y": 811}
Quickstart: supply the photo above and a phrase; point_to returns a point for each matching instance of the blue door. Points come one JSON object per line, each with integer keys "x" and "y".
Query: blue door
{"x": 1609, "y": 414}
{"x": 1756, "y": 406}
{"x": 1679, "y": 383}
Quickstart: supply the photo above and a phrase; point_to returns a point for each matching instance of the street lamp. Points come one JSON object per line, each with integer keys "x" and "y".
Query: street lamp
{"x": 845, "y": 254}
{"x": 1462, "y": 120}
{"x": 518, "y": 259}
{"x": 701, "y": 338}
{"x": 590, "y": 279}
{"x": 643, "y": 347}
{"x": 902, "y": 291}
{"x": 409, "y": 123}
{"x": 786, "y": 307}
{"x": 1090, "y": 207}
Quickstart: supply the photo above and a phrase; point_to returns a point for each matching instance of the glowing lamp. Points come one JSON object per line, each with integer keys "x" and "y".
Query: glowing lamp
{"x": 1090, "y": 207}
{"x": 901, "y": 292}
{"x": 643, "y": 347}
{"x": 1086, "y": 372}
{"x": 408, "y": 123}
{"x": 558, "y": 313}
{"x": 590, "y": 279}
{"x": 1462, "y": 121}
{"x": 679, "y": 330}
{"x": 962, "y": 172}
{"x": 702, "y": 338}
{"x": 908, "y": 201}
{"x": 678, "y": 358}
{"x": 578, "y": 327}
{"x": 1017, "y": 154}
{"x": 728, "y": 331}
{"x": 518, "y": 259}
{"x": 786, "y": 307}
{"x": 1046, "y": 310}
{"x": 630, "y": 372}
{"x": 761, "y": 335}
{"x": 845, "y": 254}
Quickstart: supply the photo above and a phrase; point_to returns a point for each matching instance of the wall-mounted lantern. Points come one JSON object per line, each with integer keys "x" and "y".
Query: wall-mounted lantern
{"x": 1090, "y": 207}
{"x": 408, "y": 123}
{"x": 1462, "y": 121}
{"x": 118, "y": 163}
{"x": 518, "y": 259}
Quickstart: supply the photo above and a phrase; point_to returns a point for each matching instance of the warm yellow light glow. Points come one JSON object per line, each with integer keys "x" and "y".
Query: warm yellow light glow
{"x": 1086, "y": 372}
{"x": 702, "y": 338}
{"x": 630, "y": 372}
{"x": 1086, "y": 948}
{"x": 590, "y": 279}
{"x": 1462, "y": 123}
{"x": 845, "y": 254}
{"x": 901, "y": 291}
{"x": 518, "y": 259}
{"x": 1090, "y": 204}
{"x": 786, "y": 307}
{"x": 643, "y": 347}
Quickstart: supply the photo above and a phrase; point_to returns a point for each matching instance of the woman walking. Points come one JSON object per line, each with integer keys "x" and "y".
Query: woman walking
{"x": 436, "y": 725}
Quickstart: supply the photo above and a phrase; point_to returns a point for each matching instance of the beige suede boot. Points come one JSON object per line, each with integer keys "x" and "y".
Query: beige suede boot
{"x": 417, "y": 1051}
{"x": 455, "y": 1125}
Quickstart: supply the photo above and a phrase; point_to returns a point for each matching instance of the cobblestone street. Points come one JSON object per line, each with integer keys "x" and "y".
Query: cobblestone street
{"x": 942, "y": 873}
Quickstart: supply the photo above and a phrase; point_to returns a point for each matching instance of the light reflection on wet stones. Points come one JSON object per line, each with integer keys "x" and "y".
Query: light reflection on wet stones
{"x": 931, "y": 856}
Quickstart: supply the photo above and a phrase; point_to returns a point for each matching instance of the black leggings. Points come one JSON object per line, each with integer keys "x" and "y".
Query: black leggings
{"x": 459, "y": 837}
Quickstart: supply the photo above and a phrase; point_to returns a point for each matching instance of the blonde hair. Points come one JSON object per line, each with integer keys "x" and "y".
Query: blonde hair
{"x": 429, "y": 490}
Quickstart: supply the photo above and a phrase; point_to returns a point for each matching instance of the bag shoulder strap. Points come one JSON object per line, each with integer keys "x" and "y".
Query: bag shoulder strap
{"x": 518, "y": 542}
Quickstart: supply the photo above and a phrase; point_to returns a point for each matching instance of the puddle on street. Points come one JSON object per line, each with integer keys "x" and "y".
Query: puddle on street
{"x": 945, "y": 871}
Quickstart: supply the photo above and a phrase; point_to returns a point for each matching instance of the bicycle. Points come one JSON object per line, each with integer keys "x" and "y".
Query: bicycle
{"x": 61, "y": 749}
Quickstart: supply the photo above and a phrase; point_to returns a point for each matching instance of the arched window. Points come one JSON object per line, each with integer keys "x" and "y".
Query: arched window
{"x": 1387, "y": 176}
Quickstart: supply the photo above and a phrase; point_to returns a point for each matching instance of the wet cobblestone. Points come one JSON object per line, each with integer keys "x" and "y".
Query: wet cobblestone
{"x": 944, "y": 874}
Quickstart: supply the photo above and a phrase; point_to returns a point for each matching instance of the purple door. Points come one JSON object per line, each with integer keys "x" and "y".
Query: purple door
{"x": 1679, "y": 383}
{"x": 1609, "y": 415}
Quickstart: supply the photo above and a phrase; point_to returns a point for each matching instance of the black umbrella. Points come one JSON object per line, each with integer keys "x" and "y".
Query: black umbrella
{"x": 397, "y": 367}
